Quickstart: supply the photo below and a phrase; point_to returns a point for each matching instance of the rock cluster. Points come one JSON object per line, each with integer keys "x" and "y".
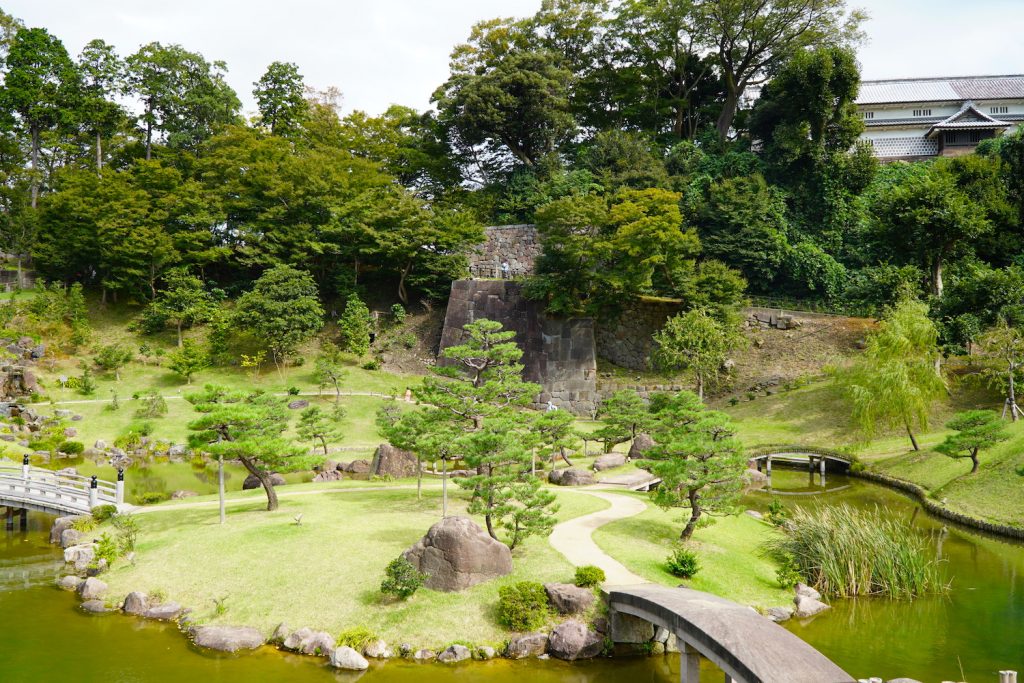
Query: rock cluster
{"x": 571, "y": 477}
{"x": 456, "y": 554}
{"x": 393, "y": 462}
{"x": 808, "y": 602}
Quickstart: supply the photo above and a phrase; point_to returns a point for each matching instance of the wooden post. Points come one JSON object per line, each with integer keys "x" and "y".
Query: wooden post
{"x": 220, "y": 486}
{"x": 689, "y": 664}
{"x": 119, "y": 487}
{"x": 444, "y": 488}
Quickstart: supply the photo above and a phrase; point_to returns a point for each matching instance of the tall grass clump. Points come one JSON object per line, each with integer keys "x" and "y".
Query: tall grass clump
{"x": 844, "y": 552}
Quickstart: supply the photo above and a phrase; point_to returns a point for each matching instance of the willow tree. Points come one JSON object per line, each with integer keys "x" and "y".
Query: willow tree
{"x": 896, "y": 382}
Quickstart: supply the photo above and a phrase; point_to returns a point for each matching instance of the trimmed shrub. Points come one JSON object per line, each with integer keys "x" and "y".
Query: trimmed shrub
{"x": 401, "y": 579}
{"x": 788, "y": 574}
{"x": 356, "y": 638}
{"x": 683, "y": 563}
{"x": 72, "y": 447}
{"x": 102, "y": 513}
{"x": 589, "y": 576}
{"x": 523, "y": 606}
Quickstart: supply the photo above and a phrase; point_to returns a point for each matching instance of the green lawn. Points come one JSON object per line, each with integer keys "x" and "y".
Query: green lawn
{"x": 731, "y": 565}
{"x": 326, "y": 572}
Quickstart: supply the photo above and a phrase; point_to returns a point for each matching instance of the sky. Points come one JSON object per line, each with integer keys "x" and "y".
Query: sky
{"x": 382, "y": 52}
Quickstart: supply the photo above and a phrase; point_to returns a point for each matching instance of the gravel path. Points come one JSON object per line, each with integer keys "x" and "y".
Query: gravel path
{"x": 573, "y": 538}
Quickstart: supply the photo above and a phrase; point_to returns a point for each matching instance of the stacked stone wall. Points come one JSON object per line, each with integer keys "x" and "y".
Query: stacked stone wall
{"x": 626, "y": 340}
{"x": 558, "y": 353}
{"x": 519, "y": 245}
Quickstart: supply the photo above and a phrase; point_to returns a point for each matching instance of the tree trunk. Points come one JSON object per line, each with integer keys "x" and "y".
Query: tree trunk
{"x": 264, "y": 478}
{"x": 913, "y": 439}
{"x": 35, "y": 167}
{"x": 403, "y": 295}
{"x": 974, "y": 461}
{"x": 695, "y": 513}
{"x": 1013, "y": 396}
{"x": 323, "y": 442}
{"x": 444, "y": 485}
{"x": 561, "y": 450}
{"x": 179, "y": 335}
{"x": 149, "y": 137}
{"x": 937, "y": 276}
{"x": 99, "y": 153}
{"x": 700, "y": 386}
{"x": 220, "y": 486}
{"x": 725, "y": 119}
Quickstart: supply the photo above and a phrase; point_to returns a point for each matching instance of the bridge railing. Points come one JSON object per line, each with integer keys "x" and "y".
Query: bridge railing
{"x": 33, "y": 484}
{"x": 779, "y": 449}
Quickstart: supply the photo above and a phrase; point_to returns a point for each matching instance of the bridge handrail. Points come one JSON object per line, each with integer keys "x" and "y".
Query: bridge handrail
{"x": 783, "y": 449}
{"x": 42, "y": 486}
{"x": 57, "y": 480}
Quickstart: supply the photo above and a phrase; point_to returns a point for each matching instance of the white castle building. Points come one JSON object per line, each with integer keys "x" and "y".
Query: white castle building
{"x": 918, "y": 118}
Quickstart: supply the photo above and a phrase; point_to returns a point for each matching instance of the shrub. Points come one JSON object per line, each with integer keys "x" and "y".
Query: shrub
{"x": 356, "y": 638}
{"x": 777, "y": 513}
{"x": 155, "y": 406}
{"x": 294, "y": 391}
{"x": 86, "y": 384}
{"x": 107, "y": 549}
{"x": 128, "y": 529}
{"x": 85, "y": 524}
{"x": 150, "y": 497}
{"x": 683, "y": 563}
{"x": 102, "y": 513}
{"x": 401, "y": 579}
{"x": 398, "y": 313}
{"x": 371, "y": 365}
{"x": 407, "y": 339}
{"x": 523, "y": 606}
{"x": 589, "y": 576}
{"x": 788, "y": 574}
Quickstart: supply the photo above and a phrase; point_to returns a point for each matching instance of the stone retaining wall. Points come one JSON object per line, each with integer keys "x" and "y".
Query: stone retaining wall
{"x": 517, "y": 244}
{"x": 938, "y": 509}
{"x": 627, "y": 340}
{"x": 558, "y": 353}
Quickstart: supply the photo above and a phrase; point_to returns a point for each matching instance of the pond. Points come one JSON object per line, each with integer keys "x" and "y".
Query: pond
{"x": 979, "y": 625}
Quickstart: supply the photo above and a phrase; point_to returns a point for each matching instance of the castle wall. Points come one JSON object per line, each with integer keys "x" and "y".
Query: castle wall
{"x": 517, "y": 244}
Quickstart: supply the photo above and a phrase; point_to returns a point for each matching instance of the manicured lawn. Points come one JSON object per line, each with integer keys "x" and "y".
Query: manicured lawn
{"x": 326, "y": 572}
{"x": 731, "y": 565}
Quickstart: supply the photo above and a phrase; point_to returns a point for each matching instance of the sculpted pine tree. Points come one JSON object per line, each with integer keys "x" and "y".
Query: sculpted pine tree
{"x": 476, "y": 401}
{"x": 976, "y": 430}
{"x": 624, "y": 416}
{"x": 316, "y": 425}
{"x": 698, "y": 458}
{"x": 247, "y": 428}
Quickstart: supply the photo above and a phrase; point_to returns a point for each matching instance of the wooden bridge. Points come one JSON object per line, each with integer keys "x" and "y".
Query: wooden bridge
{"x": 55, "y": 493}
{"x": 816, "y": 458}
{"x": 748, "y": 647}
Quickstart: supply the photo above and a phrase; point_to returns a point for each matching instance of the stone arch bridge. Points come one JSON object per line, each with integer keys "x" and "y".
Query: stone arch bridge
{"x": 56, "y": 493}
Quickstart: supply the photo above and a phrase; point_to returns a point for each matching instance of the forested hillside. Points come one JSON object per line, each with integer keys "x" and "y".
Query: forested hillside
{"x": 627, "y": 131}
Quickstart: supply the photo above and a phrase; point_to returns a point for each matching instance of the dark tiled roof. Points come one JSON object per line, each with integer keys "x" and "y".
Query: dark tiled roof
{"x": 941, "y": 89}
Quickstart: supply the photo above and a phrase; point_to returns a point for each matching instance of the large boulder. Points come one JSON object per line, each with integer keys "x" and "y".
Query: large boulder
{"x": 358, "y": 467}
{"x": 347, "y": 658}
{"x": 608, "y": 461}
{"x": 92, "y": 589}
{"x": 310, "y": 642}
{"x": 81, "y": 556}
{"x": 70, "y": 537}
{"x": 779, "y": 614}
{"x": 572, "y": 640}
{"x": 70, "y": 582}
{"x": 298, "y": 404}
{"x": 227, "y": 638}
{"x": 393, "y": 462}
{"x": 807, "y": 591}
{"x": 377, "y": 649}
{"x": 135, "y": 603}
{"x": 454, "y": 653}
{"x": 94, "y": 607}
{"x": 456, "y": 554}
{"x": 807, "y": 606}
{"x": 527, "y": 645}
{"x": 569, "y": 599}
{"x": 641, "y": 444}
{"x": 253, "y": 482}
{"x": 60, "y": 524}
{"x": 165, "y": 611}
{"x": 575, "y": 477}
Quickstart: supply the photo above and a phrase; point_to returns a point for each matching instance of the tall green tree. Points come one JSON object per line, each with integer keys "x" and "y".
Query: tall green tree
{"x": 280, "y": 97}
{"x": 355, "y": 326}
{"x": 698, "y": 343}
{"x": 283, "y": 309}
{"x": 698, "y": 458}
{"x": 624, "y": 416}
{"x": 183, "y": 301}
{"x": 41, "y": 88}
{"x": 896, "y": 382}
{"x": 102, "y": 73}
{"x": 317, "y": 425}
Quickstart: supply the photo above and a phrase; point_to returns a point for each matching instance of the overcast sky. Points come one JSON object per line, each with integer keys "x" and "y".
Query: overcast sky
{"x": 380, "y": 52}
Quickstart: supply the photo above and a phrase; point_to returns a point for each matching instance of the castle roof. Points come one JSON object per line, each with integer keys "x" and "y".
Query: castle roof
{"x": 946, "y": 89}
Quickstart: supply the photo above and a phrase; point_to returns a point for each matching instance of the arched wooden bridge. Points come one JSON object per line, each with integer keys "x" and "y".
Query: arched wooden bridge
{"x": 748, "y": 647}
{"x": 55, "y": 493}
{"x": 816, "y": 458}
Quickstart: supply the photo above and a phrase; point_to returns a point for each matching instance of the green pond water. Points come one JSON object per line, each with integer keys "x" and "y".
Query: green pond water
{"x": 980, "y": 623}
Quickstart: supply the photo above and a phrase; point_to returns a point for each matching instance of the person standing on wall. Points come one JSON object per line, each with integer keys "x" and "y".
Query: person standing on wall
{"x": 504, "y": 270}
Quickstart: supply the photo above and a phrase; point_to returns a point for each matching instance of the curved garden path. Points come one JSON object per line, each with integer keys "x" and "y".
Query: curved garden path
{"x": 573, "y": 538}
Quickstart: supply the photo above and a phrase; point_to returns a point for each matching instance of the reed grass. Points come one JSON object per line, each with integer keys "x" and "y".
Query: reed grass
{"x": 845, "y": 552}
